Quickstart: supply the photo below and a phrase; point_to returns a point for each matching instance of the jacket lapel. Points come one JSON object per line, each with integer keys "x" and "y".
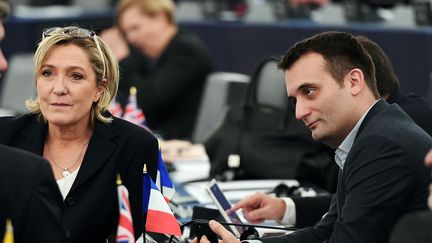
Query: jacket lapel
{"x": 98, "y": 152}
{"x": 377, "y": 108}
{"x": 32, "y": 138}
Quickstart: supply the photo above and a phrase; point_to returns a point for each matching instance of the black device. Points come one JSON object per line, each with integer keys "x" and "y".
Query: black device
{"x": 201, "y": 227}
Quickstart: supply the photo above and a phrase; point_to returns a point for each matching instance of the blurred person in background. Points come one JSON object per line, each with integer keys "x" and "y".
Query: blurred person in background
{"x": 76, "y": 79}
{"x": 417, "y": 107}
{"x": 167, "y": 65}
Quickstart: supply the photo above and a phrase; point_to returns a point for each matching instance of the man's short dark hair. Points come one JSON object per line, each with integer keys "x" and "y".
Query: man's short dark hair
{"x": 342, "y": 53}
{"x": 5, "y": 9}
{"x": 387, "y": 81}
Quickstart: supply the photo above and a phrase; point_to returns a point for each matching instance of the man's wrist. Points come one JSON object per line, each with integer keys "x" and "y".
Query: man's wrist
{"x": 289, "y": 217}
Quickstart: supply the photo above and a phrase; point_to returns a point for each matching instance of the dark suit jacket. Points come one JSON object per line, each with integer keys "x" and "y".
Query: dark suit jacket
{"x": 169, "y": 89}
{"x": 91, "y": 207}
{"x": 30, "y": 197}
{"x": 413, "y": 228}
{"x": 383, "y": 178}
{"x": 309, "y": 210}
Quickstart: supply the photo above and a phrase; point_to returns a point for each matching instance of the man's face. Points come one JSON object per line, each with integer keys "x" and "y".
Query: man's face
{"x": 322, "y": 104}
{"x": 3, "y": 62}
{"x": 143, "y": 31}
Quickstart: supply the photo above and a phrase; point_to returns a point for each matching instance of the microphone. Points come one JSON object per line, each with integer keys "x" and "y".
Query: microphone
{"x": 200, "y": 227}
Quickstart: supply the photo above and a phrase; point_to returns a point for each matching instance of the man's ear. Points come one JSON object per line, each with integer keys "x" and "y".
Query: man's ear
{"x": 355, "y": 81}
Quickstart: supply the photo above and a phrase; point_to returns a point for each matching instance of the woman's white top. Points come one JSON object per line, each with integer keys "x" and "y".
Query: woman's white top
{"x": 65, "y": 184}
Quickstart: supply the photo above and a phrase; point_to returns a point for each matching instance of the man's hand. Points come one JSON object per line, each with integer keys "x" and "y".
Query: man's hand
{"x": 428, "y": 162}
{"x": 115, "y": 40}
{"x": 428, "y": 158}
{"x": 223, "y": 233}
{"x": 259, "y": 207}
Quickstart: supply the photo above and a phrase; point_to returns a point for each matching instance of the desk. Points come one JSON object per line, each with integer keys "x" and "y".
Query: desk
{"x": 238, "y": 46}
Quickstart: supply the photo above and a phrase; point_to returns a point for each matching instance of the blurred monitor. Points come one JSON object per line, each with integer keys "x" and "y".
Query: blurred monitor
{"x": 224, "y": 9}
{"x": 422, "y": 12}
{"x": 282, "y": 9}
{"x": 366, "y": 10}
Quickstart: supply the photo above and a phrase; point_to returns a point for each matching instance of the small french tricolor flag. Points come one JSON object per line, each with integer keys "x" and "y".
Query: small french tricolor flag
{"x": 163, "y": 181}
{"x": 159, "y": 218}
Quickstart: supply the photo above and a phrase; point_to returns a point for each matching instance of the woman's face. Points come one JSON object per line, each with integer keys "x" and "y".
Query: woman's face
{"x": 66, "y": 86}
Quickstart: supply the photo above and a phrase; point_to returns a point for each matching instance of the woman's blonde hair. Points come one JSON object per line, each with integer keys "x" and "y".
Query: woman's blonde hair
{"x": 148, "y": 7}
{"x": 104, "y": 63}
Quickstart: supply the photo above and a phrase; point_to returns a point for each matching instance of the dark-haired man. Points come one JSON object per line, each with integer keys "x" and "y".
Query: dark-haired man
{"x": 379, "y": 148}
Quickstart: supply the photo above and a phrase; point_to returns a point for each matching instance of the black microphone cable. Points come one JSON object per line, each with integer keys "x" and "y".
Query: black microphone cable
{"x": 244, "y": 235}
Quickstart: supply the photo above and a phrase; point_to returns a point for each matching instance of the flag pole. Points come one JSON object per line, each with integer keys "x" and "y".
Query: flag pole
{"x": 8, "y": 235}
{"x": 145, "y": 202}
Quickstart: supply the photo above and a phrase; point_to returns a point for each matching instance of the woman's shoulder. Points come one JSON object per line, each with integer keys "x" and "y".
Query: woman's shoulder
{"x": 17, "y": 121}
{"x": 132, "y": 131}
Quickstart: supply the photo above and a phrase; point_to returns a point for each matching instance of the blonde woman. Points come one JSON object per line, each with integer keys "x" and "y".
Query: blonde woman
{"x": 76, "y": 79}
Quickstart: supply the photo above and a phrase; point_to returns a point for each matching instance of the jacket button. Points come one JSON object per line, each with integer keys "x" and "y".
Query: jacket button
{"x": 70, "y": 201}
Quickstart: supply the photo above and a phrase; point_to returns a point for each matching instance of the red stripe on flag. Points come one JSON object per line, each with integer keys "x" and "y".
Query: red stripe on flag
{"x": 161, "y": 222}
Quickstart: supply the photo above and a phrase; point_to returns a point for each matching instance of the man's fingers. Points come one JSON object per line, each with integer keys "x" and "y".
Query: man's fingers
{"x": 222, "y": 232}
{"x": 253, "y": 217}
{"x": 251, "y": 201}
{"x": 204, "y": 239}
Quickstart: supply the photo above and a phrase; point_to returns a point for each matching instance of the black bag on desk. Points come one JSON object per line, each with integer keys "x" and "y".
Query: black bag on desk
{"x": 266, "y": 137}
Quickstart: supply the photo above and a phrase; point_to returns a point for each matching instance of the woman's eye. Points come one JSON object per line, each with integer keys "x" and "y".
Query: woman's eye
{"x": 47, "y": 73}
{"x": 76, "y": 76}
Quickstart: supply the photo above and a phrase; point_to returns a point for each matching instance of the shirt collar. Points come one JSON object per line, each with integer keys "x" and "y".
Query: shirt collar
{"x": 342, "y": 152}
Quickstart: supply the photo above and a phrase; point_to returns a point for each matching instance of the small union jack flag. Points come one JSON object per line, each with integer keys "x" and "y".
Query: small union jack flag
{"x": 115, "y": 108}
{"x": 125, "y": 231}
{"x": 132, "y": 112}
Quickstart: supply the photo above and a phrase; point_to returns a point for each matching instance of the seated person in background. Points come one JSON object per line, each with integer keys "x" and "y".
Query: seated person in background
{"x": 305, "y": 211}
{"x": 417, "y": 107}
{"x": 29, "y": 196}
{"x": 169, "y": 66}
{"x": 415, "y": 227}
{"x": 76, "y": 79}
{"x": 381, "y": 177}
